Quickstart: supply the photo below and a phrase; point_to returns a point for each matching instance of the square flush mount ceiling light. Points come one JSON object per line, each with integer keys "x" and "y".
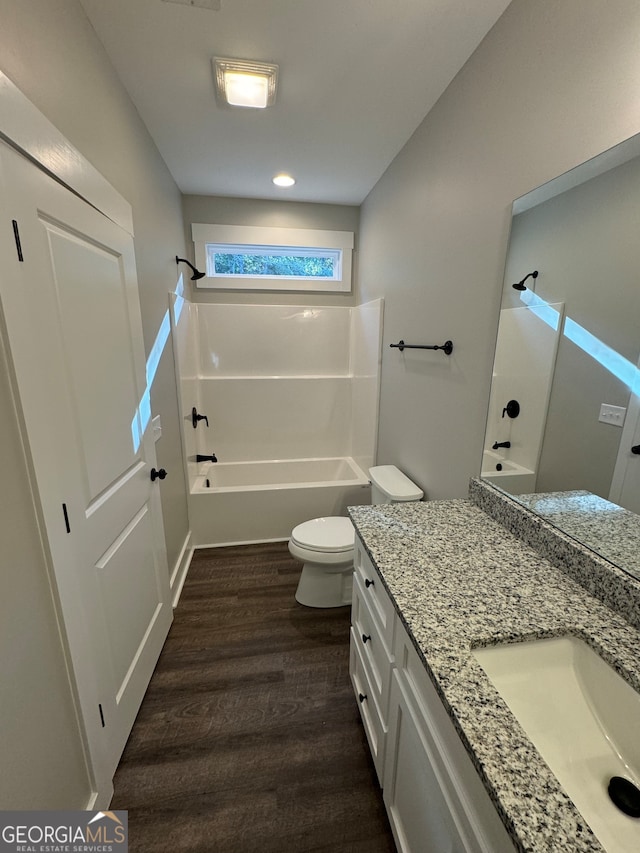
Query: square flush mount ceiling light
{"x": 214, "y": 5}
{"x": 242, "y": 83}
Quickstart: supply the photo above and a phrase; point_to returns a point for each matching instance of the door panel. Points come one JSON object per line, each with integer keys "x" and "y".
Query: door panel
{"x": 92, "y": 312}
{"x": 130, "y": 599}
{"x": 72, "y": 316}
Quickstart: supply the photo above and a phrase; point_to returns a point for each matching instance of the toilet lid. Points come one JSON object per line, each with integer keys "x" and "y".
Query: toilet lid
{"x": 325, "y": 534}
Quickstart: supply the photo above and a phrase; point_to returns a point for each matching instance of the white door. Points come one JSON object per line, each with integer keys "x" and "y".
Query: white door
{"x": 625, "y": 485}
{"x": 69, "y": 301}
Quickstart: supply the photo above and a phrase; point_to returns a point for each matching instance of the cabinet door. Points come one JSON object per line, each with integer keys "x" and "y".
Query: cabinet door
{"x": 418, "y": 811}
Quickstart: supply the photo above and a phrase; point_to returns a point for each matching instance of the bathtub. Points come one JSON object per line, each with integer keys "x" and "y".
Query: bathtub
{"x": 513, "y": 478}
{"x": 246, "y": 502}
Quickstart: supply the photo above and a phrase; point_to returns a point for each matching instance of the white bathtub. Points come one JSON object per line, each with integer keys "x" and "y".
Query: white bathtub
{"x": 261, "y": 501}
{"x": 513, "y": 478}
{"x": 279, "y": 474}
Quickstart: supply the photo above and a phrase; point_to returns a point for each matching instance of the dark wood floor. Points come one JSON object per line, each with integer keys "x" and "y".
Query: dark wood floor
{"x": 249, "y": 738}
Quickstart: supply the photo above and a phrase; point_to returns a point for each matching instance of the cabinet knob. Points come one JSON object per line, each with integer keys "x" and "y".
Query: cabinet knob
{"x": 636, "y": 449}
{"x": 362, "y": 697}
{"x": 366, "y": 637}
{"x": 368, "y": 583}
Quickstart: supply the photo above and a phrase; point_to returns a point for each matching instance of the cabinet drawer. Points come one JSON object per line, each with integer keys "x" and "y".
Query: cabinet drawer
{"x": 473, "y": 814}
{"x": 377, "y": 597}
{"x": 373, "y": 649}
{"x": 374, "y": 727}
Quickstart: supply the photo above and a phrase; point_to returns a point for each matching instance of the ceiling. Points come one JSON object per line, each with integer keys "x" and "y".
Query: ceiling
{"x": 356, "y": 79}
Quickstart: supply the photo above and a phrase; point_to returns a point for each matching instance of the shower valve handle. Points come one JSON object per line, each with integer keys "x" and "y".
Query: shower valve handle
{"x": 157, "y": 475}
{"x": 512, "y": 409}
{"x": 195, "y": 417}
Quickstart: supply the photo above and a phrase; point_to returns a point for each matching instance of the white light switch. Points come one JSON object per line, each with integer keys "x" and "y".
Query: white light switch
{"x": 613, "y": 415}
{"x": 157, "y": 427}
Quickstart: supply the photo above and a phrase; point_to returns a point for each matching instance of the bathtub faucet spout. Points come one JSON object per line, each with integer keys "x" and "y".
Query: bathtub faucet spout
{"x": 497, "y": 444}
{"x": 201, "y": 458}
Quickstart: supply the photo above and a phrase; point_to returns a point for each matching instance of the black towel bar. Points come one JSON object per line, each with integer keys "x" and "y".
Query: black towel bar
{"x": 447, "y": 346}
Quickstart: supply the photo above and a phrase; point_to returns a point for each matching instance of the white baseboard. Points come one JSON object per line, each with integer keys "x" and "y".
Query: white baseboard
{"x": 243, "y": 542}
{"x": 101, "y": 799}
{"x": 179, "y": 573}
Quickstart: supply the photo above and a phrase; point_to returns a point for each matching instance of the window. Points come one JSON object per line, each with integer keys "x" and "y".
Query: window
{"x": 260, "y": 258}
{"x": 290, "y": 262}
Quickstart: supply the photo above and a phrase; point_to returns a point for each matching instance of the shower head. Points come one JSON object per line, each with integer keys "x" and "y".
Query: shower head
{"x": 196, "y": 273}
{"x": 520, "y": 285}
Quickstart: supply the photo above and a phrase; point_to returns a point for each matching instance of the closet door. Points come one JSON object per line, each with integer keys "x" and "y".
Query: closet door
{"x": 625, "y": 484}
{"x": 69, "y": 300}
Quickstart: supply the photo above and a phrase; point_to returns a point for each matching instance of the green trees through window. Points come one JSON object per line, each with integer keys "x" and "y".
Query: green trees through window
{"x": 258, "y": 264}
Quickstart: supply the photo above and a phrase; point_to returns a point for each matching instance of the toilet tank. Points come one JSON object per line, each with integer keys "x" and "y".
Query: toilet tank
{"x": 389, "y": 485}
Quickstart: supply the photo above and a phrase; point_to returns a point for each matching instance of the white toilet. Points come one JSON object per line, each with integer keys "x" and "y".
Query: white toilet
{"x": 325, "y": 545}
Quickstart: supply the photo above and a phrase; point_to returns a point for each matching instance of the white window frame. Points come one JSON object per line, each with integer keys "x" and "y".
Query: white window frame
{"x": 283, "y": 239}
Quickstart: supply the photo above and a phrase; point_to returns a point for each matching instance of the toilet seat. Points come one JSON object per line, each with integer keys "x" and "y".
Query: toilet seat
{"x": 331, "y": 535}
{"x": 326, "y": 547}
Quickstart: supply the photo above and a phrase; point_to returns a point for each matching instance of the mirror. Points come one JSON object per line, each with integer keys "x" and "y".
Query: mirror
{"x": 563, "y": 426}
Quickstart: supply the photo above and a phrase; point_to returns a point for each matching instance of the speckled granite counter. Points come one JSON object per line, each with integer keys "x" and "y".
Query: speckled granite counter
{"x": 610, "y": 530}
{"x": 459, "y": 580}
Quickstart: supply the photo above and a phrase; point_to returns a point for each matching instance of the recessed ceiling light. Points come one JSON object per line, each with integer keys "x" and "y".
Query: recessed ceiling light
{"x": 242, "y": 83}
{"x": 283, "y": 180}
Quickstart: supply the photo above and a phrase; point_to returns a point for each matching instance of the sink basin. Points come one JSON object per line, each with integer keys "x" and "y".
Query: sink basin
{"x": 582, "y": 717}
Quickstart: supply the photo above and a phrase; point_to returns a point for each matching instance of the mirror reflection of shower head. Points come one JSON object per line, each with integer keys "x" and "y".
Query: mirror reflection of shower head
{"x": 520, "y": 285}
{"x": 196, "y": 273}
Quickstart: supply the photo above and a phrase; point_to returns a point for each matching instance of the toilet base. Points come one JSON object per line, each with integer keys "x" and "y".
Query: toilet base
{"x": 321, "y": 588}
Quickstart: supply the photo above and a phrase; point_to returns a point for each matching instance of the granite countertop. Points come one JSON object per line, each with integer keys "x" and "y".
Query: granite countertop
{"x": 460, "y": 580}
{"x": 606, "y": 527}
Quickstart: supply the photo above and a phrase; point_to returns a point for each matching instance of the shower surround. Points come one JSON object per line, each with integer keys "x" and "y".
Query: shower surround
{"x": 291, "y": 396}
{"x": 523, "y": 371}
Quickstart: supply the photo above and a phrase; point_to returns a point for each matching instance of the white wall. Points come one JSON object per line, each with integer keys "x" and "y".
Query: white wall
{"x": 552, "y": 85}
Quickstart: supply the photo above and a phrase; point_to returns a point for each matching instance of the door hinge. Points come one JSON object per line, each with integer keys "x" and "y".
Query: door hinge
{"x": 101, "y": 715}
{"x": 16, "y": 234}
{"x": 66, "y": 518}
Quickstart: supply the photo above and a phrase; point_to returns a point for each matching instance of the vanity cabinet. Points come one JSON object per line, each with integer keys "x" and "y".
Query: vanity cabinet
{"x": 372, "y": 626}
{"x": 434, "y": 797}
